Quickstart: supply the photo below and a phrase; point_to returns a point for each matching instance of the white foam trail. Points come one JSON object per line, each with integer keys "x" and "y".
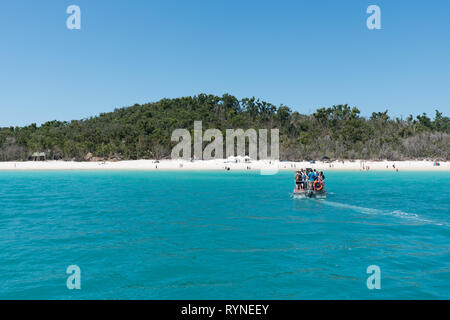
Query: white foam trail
{"x": 352, "y": 207}
{"x": 396, "y": 213}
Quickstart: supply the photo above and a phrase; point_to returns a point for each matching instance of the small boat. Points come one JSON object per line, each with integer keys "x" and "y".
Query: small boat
{"x": 310, "y": 194}
{"x": 312, "y": 190}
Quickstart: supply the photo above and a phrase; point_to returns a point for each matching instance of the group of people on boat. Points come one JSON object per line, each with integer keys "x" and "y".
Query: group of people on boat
{"x": 309, "y": 179}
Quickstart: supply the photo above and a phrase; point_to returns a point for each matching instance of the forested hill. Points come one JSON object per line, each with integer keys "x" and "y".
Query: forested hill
{"x": 144, "y": 131}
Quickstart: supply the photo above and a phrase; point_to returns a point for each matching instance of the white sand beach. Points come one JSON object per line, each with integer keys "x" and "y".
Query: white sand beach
{"x": 222, "y": 164}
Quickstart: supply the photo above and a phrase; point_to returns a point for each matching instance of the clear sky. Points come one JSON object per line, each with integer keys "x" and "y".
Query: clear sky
{"x": 304, "y": 54}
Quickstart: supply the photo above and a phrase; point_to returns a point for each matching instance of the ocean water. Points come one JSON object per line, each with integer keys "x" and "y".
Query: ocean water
{"x": 223, "y": 235}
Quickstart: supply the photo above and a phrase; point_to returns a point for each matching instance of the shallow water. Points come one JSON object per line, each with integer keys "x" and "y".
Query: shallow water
{"x": 223, "y": 235}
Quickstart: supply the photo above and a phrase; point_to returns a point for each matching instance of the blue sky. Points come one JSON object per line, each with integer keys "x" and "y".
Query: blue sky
{"x": 304, "y": 54}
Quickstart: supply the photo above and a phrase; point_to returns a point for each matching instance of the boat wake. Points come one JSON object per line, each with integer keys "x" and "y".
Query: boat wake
{"x": 413, "y": 217}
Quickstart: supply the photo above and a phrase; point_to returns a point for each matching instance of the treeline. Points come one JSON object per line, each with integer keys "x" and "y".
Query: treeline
{"x": 144, "y": 131}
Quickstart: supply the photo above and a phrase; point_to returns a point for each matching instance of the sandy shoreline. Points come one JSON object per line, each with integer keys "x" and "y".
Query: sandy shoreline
{"x": 222, "y": 164}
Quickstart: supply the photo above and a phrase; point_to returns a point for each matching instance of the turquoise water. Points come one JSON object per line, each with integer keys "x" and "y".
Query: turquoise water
{"x": 223, "y": 235}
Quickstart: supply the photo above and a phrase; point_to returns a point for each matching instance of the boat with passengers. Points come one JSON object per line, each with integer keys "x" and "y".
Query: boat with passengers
{"x": 309, "y": 183}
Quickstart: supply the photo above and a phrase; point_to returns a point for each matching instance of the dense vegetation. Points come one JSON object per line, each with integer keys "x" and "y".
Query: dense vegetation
{"x": 144, "y": 131}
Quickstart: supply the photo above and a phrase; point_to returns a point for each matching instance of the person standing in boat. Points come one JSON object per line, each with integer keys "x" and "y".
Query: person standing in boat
{"x": 321, "y": 176}
{"x": 311, "y": 178}
{"x": 298, "y": 180}
{"x": 316, "y": 175}
{"x": 304, "y": 178}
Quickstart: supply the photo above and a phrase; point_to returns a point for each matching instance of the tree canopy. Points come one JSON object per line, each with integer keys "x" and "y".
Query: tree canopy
{"x": 144, "y": 131}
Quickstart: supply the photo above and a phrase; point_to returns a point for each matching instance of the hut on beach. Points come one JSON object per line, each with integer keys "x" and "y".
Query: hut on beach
{"x": 38, "y": 156}
{"x": 238, "y": 159}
